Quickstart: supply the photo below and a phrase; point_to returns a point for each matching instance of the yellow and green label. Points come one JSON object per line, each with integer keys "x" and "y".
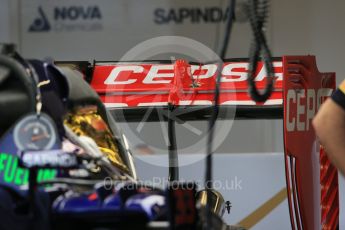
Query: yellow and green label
{"x": 12, "y": 173}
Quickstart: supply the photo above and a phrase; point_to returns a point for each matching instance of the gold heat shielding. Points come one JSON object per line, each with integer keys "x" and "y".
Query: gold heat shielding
{"x": 86, "y": 121}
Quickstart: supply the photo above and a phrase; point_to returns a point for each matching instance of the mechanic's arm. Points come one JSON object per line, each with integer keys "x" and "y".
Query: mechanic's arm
{"x": 329, "y": 124}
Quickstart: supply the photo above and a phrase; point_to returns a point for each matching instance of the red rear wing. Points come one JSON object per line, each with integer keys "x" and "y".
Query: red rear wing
{"x": 129, "y": 89}
{"x": 138, "y": 84}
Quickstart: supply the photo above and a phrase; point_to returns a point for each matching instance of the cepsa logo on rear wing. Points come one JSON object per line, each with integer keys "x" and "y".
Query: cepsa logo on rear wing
{"x": 146, "y": 84}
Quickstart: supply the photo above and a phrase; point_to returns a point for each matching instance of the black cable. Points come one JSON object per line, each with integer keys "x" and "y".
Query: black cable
{"x": 257, "y": 13}
{"x": 215, "y": 111}
{"x": 173, "y": 157}
{"x": 227, "y": 33}
{"x": 214, "y": 115}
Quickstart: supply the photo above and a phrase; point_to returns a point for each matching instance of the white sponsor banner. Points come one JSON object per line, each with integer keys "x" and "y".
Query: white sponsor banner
{"x": 105, "y": 30}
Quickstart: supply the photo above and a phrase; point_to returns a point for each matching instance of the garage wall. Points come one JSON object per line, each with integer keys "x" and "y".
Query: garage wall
{"x": 4, "y": 21}
{"x": 311, "y": 26}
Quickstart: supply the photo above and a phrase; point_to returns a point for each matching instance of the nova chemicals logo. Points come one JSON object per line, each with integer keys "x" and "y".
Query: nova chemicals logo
{"x": 73, "y": 13}
{"x": 67, "y": 19}
{"x": 40, "y": 23}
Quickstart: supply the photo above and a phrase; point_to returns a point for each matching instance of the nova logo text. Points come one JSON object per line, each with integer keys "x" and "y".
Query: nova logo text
{"x": 67, "y": 18}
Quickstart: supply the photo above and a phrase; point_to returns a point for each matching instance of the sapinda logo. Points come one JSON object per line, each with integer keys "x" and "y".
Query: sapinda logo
{"x": 192, "y": 15}
{"x": 63, "y": 14}
{"x": 52, "y": 158}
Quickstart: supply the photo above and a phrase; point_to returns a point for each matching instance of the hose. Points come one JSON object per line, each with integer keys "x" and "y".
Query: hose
{"x": 215, "y": 111}
{"x": 257, "y": 13}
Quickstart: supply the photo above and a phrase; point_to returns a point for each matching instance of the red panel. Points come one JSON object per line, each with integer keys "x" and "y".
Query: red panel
{"x": 305, "y": 88}
{"x": 134, "y": 84}
{"x": 329, "y": 193}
